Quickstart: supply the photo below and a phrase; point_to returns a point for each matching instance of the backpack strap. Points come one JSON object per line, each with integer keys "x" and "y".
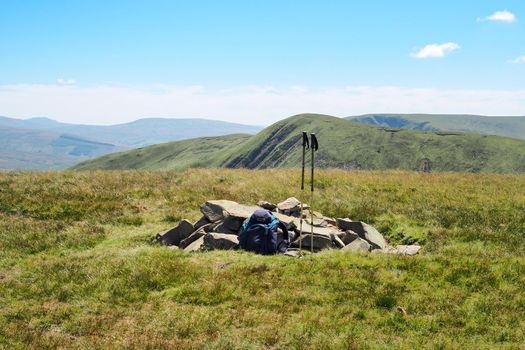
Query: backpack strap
{"x": 282, "y": 226}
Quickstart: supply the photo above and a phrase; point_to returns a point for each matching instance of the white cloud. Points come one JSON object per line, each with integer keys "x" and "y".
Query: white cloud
{"x": 435, "y": 50}
{"x": 517, "y": 60}
{"x": 261, "y": 105}
{"x": 500, "y": 16}
{"x": 61, "y": 81}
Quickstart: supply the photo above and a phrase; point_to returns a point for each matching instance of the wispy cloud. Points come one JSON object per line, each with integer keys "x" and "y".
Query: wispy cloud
{"x": 70, "y": 82}
{"x": 435, "y": 50}
{"x": 260, "y": 105}
{"x": 500, "y": 16}
{"x": 517, "y": 60}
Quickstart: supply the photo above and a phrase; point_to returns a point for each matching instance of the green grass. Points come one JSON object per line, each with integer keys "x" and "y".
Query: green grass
{"x": 78, "y": 268}
{"x": 503, "y": 126}
{"x": 343, "y": 144}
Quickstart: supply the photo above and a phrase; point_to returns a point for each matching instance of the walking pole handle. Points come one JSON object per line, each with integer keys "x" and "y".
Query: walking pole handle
{"x": 314, "y": 146}
{"x": 306, "y": 145}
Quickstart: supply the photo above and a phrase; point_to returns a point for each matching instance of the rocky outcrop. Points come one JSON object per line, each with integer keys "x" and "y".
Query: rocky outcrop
{"x": 222, "y": 220}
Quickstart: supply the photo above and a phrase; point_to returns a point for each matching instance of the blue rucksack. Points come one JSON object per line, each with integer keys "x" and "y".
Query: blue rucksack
{"x": 259, "y": 234}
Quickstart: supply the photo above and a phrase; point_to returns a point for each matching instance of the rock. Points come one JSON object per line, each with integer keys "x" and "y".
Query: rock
{"x": 402, "y": 310}
{"x": 233, "y": 223}
{"x": 316, "y": 221}
{"x": 368, "y": 233}
{"x": 407, "y": 249}
{"x": 323, "y": 231}
{"x": 348, "y": 236}
{"x": 175, "y": 235}
{"x": 288, "y": 221}
{"x": 195, "y": 246}
{"x": 330, "y": 221}
{"x": 201, "y": 222}
{"x": 214, "y": 240}
{"x": 293, "y": 253}
{"x": 218, "y": 210}
{"x": 344, "y": 223}
{"x": 221, "y": 228}
{"x": 267, "y": 205}
{"x": 291, "y": 206}
{"x": 320, "y": 241}
{"x": 195, "y": 236}
{"x": 338, "y": 242}
{"x": 358, "y": 245}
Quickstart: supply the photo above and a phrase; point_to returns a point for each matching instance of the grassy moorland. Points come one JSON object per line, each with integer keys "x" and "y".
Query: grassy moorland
{"x": 78, "y": 269}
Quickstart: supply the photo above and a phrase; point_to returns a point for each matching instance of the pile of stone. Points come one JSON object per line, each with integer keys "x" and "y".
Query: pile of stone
{"x": 220, "y": 226}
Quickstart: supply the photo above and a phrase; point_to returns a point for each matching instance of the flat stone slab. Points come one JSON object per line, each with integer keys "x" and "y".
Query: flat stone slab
{"x": 217, "y": 210}
{"x": 368, "y": 233}
{"x": 224, "y": 241}
{"x": 322, "y": 231}
{"x": 319, "y": 242}
{"x": 408, "y": 249}
{"x": 195, "y": 246}
{"x": 358, "y": 245}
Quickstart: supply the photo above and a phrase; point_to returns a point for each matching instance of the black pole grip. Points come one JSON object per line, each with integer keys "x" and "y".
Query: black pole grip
{"x": 306, "y": 144}
{"x": 314, "y": 147}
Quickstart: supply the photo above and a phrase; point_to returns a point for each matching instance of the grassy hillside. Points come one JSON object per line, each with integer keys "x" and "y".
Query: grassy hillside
{"x": 78, "y": 269}
{"x": 501, "y": 126}
{"x": 343, "y": 144}
{"x": 201, "y": 152}
{"x": 40, "y": 150}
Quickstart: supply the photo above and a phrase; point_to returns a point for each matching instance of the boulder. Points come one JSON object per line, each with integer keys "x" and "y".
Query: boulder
{"x": 233, "y": 223}
{"x": 368, "y": 233}
{"x": 214, "y": 240}
{"x": 288, "y": 221}
{"x": 348, "y": 236}
{"x": 201, "y": 222}
{"x": 195, "y": 236}
{"x": 320, "y": 242}
{"x": 407, "y": 249}
{"x": 322, "y": 231}
{"x": 195, "y": 246}
{"x": 267, "y": 205}
{"x": 344, "y": 223}
{"x": 221, "y": 228}
{"x": 175, "y": 235}
{"x": 218, "y": 210}
{"x": 291, "y": 206}
{"x": 358, "y": 245}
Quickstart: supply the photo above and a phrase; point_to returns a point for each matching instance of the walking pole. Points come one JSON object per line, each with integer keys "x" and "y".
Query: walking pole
{"x": 306, "y": 145}
{"x": 314, "y": 146}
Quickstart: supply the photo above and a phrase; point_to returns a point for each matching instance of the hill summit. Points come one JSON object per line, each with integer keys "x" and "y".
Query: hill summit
{"x": 343, "y": 144}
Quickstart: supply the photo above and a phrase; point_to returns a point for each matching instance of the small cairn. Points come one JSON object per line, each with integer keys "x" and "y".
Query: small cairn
{"x": 220, "y": 226}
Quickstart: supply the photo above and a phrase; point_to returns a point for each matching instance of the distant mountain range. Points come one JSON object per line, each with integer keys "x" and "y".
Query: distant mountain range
{"x": 343, "y": 144}
{"x": 501, "y": 126}
{"x": 43, "y": 143}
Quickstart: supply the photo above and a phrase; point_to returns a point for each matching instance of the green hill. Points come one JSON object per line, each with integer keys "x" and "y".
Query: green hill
{"x": 501, "y": 126}
{"x": 343, "y": 144}
{"x": 195, "y": 153}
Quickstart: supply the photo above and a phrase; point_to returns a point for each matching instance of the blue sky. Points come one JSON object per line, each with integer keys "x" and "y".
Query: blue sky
{"x": 84, "y": 61}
